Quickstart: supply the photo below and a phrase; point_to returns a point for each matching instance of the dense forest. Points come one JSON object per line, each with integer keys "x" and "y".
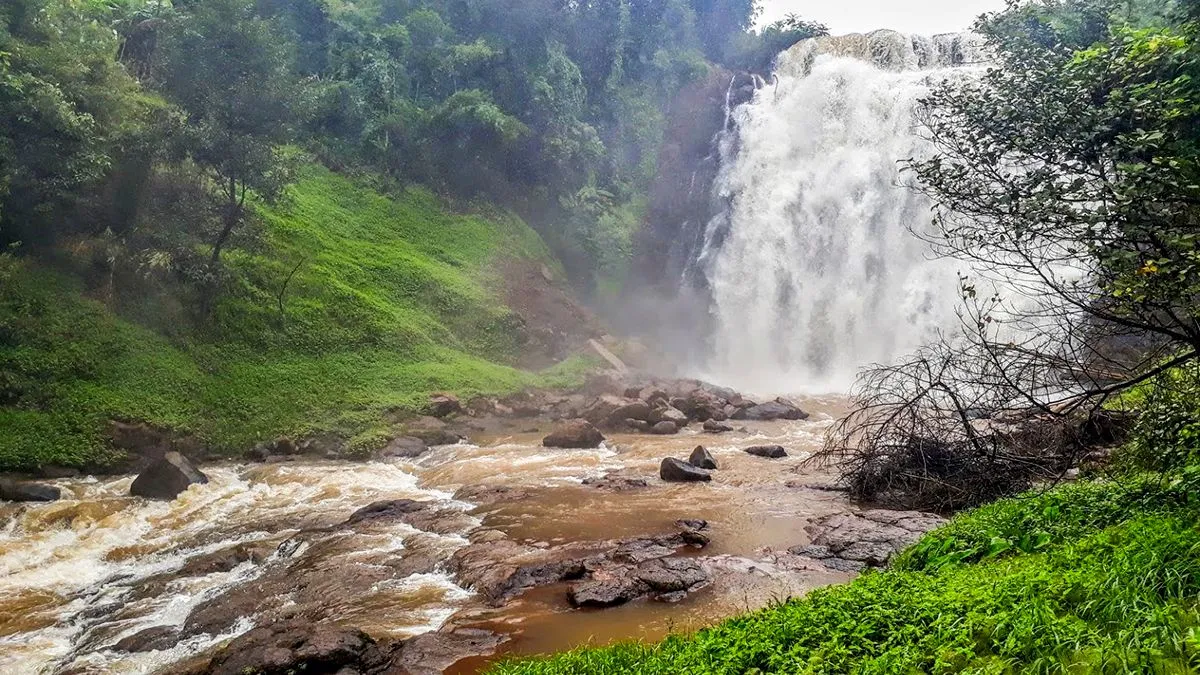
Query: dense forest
{"x": 553, "y": 109}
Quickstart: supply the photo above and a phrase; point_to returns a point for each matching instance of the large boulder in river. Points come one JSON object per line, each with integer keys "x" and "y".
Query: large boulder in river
{"x": 166, "y": 478}
{"x": 299, "y": 646}
{"x": 14, "y": 491}
{"x": 702, "y": 406}
{"x": 779, "y": 409}
{"x": 678, "y": 471}
{"x": 768, "y": 451}
{"x": 668, "y": 414}
{"x": 715, "y": 427}
{"x": 601, "y": 409}
{"x": 665, "y": 428}
{"x": 574, "y": 434}
{"x": 702, "y": 458}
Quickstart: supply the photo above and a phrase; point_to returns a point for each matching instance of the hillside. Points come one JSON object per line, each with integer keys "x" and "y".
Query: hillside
{"x": 391, "y": 298}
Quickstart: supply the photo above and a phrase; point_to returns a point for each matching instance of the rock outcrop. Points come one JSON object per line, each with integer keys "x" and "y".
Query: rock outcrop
{"x": 779, "y": 409}
{"x": 19, "y": 491}
{"x": 854, "y": 541}
{"x": 678, "y": 471}
{"x": 574, "y": 434}
{"x": 167, "y": 477}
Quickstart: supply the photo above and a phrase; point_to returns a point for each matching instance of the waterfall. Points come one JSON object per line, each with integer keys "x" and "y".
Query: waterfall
{"x": 813, "y": 268}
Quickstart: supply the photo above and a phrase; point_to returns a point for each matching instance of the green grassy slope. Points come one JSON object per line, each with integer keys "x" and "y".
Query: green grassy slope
{"x": 392, "y": 299}
{"x": 1094, "y": 578}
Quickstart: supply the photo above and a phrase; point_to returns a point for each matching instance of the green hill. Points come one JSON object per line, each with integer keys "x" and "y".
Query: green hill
{"x": 391, "y": 298}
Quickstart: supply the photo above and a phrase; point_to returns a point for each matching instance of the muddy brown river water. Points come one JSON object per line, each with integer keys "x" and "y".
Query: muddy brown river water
{"x": 79, "y": 575}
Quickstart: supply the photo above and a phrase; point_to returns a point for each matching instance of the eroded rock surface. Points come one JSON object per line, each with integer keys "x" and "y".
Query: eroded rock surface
{"x": 854, "y": 541}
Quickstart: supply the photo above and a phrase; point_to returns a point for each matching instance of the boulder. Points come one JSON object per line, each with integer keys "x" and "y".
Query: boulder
{"x": 664, "y": 428}
{"x": 678, "y": 471}
{"x": 605, "y": 592}
{"x": 149, "y": 640}
{"x": 432, "y": 430}
{"x": 574, "y": 434}
{"x": 637, "y": 410}
{"x": 444, "y": 405}
{"x": 768, "y": 451}
{"x": 601, "y": 408}
{"x": 299, "y": 646}
{"x": 14, "y": 491}
{"x": 779, "y": 409}
{"x": 703, "y": 406}
{"x": 671, "y": 575}
{"x": 654, "y": 396}
{"x": 166, "y": 478}
{"x": 405, "y": 447}
{"x": 701, "y": 458}
{"x": 714, "y": 427}
{"x": 852, "y": 541}
{"x": 668, "y": 414}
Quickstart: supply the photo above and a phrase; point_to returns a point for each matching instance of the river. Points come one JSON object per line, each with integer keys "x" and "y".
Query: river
{"x": 81, "y": 574}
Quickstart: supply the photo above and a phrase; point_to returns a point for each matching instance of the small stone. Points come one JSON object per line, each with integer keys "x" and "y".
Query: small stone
{"x": 768, "y": 451}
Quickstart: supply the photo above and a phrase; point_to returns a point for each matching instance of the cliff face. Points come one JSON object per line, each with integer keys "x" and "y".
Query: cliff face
{"x": 667, "y": 300}
{"x": 681, "y": 199}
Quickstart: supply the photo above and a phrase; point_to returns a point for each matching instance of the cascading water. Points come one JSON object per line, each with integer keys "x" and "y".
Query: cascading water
{"x": 813, "y": 267}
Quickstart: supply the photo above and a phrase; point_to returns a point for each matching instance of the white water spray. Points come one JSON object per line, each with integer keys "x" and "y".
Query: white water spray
{"x": 813, "y": 268}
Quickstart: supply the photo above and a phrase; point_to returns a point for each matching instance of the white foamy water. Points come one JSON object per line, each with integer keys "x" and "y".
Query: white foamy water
{"x": 813, "y": 268}
{"x": 71, "y": 571}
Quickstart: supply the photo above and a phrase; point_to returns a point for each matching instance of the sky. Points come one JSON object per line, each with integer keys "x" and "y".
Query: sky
{"x": 927, "y": 17}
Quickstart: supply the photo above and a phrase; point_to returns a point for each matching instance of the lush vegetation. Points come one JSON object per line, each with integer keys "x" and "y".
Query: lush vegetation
{"x": 350, "y": 306}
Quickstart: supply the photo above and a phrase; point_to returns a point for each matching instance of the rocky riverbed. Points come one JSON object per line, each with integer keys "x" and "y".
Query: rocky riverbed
{"x": 437, "y": 558}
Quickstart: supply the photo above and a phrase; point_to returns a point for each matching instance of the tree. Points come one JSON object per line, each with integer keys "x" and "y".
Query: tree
{"x": 66, "y": 109}
{"x": 1068, "y": 179}
{"x": 230, "y": 71}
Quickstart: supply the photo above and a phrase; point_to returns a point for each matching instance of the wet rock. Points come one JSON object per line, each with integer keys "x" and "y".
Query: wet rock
{"x": 702, "y": 458}
{"x": 715, "y": 427}
{"x": 641, "y": 426}
{"x": 298, "y": 646}
{"x": 167, "y": 477}
{"x": 779, "y": 409}
{"x": 227, "y": 558}
{"x": 432, "y": 431}
{"x": 870, "y": 538}
{"x": 679, "y": 471}
{"x": 637, "y": 410}
{"x": 601, "y": 409}
{"x": 704, "y": 406}
{"x": 616, "y": 482}
{"x": 444, "y": 405}
{"x": 606, "y": 592}
{"x": 670, "y": 575}
{"x": 669, "y": 414}
{"x": 768, "y": 451}
{"x": 664, "y": 428}
{"x": 574, "y": 434}
{"x": 433, "y": 653}
{"x": 426, "y": 516}
{"x": 18, "y": 491}
{"x": 487, "y": 495}
{"x": 403, "y": 447}
{"x": 654, "y": 396}
{"x": 149, "y": 640}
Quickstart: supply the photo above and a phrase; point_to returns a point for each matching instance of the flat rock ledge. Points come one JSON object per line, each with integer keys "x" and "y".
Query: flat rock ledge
{"x": 852, "y": 542}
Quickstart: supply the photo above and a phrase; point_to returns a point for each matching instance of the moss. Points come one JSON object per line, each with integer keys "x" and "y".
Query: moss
{"x": 392, "y": 300}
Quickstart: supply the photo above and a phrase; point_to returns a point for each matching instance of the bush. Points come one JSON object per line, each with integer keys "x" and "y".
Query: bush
{"x": 1166, "y": 435}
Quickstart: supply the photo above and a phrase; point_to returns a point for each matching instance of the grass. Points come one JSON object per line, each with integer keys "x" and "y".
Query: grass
{"x": 393, "y": 299}
{"x": 1110, "y": 587}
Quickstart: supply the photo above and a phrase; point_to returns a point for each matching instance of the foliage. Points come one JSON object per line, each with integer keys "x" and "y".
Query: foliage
{"x": 1109, "y": 594}
{"x": 1166, "y": 435}
{"x": 68, "y": 112}
{"x": 391, "y": 302}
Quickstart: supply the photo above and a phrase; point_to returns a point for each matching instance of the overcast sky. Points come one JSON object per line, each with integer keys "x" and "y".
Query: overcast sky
{"x": 926, "y": 17}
